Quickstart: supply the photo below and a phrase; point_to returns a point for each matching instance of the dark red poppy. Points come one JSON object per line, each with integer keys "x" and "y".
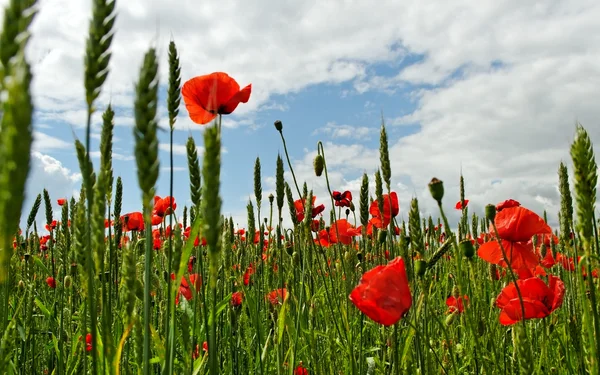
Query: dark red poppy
{"x": 342, "y": 199}
{"x": 516, "y": 226}
{"x": 383, "y": 293}
{"x": 382, "y": 221}
{"x": 209, "y": 95}
{"x": 51, "y": 282}
{"x": 459, "y": 204}
{"x": 539, "y": 299}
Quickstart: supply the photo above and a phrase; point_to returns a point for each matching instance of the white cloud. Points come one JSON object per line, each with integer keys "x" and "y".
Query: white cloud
{"x": 115, "y": 156}
{"x": 345, "y": 131}
{"x": 48, "y": 173}
{"x": 44, "y": 143}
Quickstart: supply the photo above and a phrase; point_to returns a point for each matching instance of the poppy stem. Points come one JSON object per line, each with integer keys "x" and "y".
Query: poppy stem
{"x": 287, "y": 156}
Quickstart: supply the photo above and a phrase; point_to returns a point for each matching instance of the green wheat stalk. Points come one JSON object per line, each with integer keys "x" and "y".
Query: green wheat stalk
{"x": 146, "y": 155}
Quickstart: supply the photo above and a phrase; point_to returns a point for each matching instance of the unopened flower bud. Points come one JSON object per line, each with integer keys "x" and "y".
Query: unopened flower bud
{"x": 21, "y": 285}
{"x": 467, "y": 248}
{"x": 451, "y": 318}
{"x": 68, "y": 281}
{"x": 278, "y": 125}
{"x": 271, "y": 198}
{"x": 382, "y": 235}
{"x": 490, "y": 212}
{"x": 319, "y": 164}
{"x": 436, "y": 188}
{"x": 420, "y": 267}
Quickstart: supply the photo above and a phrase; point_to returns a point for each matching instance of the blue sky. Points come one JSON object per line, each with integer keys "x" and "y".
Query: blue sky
{"x": 489, "y": 88}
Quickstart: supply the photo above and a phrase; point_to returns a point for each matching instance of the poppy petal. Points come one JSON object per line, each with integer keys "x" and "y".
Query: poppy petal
{"x": 241, "y": 96}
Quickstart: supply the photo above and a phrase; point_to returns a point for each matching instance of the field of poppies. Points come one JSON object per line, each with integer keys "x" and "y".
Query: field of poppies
{"x": 347, "y": 289}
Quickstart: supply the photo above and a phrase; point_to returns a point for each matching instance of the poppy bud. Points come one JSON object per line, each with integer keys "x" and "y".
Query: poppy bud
{"x": 319, "y": 164}
{"x": 420, "y": 267}
{"x": 289, "y": 250}
{"x": 382, "y": 236}
{"x": 27, "y": 257}
{"x": 68, "y": 281}
{"x": 347, "y": 211}
{"x": 436, "y": 188}
{"x": 467, "y": 248}
{"x": 490, "y": 212}
{"x": 296, "y": 257}
{"x": 21, "y": 285}
{"x": 359, "y": 255}
{"x": 278, "y": 125}
{"x": 338, "y": 266}
{"x": 271, "y": 198}
{"x": 451, "y": 318}
{"x": 347, "y": 256}
{"x": 352, "y": 206}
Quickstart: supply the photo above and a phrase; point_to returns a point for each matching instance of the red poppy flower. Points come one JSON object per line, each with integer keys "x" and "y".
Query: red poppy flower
{"x": 51, "y": 282}
{"x": 209, "y": 95}
{"x": 277, "y": 296}
{"x": 456, "y": 304}
{"x": 61, "y": 201}
{"x": 236, "y": 299}
{"x": 539, "y": 299}
{"x": 507, "y": 204}
{"x": 299, "y": 205}
{"x": 382, "y": 221}
{"x": 516, "y": 226}
{"x": 342, "y": 199}
{"x": 184, "y": 287}
{"x": 88, "y": 342}
{"x": 164, "y": 206}
{"x": 133, "y": 221}
{"x": 459, "y": 205}
{"x": 300, "y": 370}
{"x": 383, "y": 293}
{"x": 344, "y": 234}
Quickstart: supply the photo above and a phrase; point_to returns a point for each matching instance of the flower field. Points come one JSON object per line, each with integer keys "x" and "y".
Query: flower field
{"x": 349, "y": 288}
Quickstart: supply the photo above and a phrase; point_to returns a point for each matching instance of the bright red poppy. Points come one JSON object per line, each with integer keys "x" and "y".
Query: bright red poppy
{"x": 459, "y": 204}
{"x": 383, "y": 293}
{"x": 299, "y": 205}
{"x": 539, "y": 299}
{"x": 164, "y": 206}
{"x": 456, "y": 304}
{"x": 345, "y": 232}
{"x": 382, "y": 221}
{"x": 277, "y": 296}
{"x": 184, "y": 287}
{"x": 61, "y": 201}
{"x": 236, "y": 299}
{"x": 507, "y": 204}
{"x": 88, "y": 342}
{"x": 209, "y": 95}
{"x": 516, "y": 226}
{"x": 133, "y": 221}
